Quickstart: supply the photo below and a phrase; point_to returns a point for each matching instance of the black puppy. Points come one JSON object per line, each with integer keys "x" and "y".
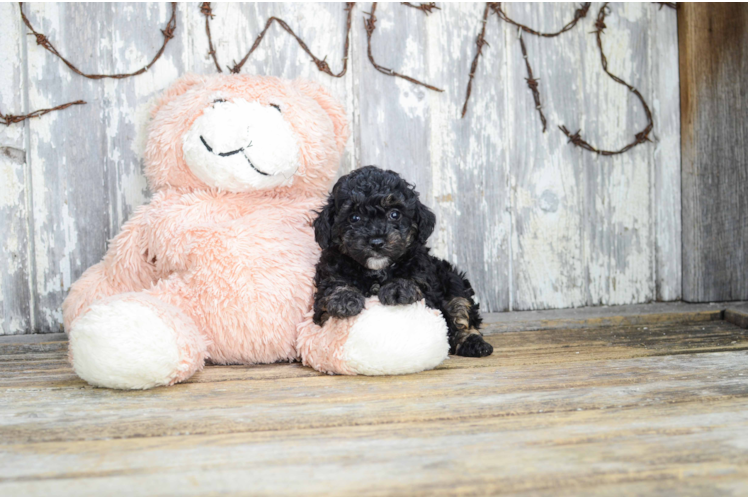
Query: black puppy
{"x": 373, "y": 234}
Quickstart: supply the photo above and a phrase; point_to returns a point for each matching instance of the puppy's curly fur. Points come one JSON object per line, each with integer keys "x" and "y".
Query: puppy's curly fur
{"x": 373, "y": 234}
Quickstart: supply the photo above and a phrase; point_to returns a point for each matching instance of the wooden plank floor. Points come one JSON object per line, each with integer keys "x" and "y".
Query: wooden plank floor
{"x": 650, "y": 408}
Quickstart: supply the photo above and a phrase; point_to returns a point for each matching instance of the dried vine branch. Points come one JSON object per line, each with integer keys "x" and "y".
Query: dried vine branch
{"x": 370, "y": 26}
{"x": 426, "y": 8}
{"x": 321, "y": 63}
{"x": 640, "y": 137}
{"x": 208, "y": 13}
{"x": 532, "y": 84}
{"x": 42, "y": 40}
{"x": 479, "y": 42}
{"x": 9, "y": 119}
{"x": 580, "y": 13}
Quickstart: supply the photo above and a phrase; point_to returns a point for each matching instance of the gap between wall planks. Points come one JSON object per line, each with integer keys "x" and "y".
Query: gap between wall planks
{"x": 15, "y": 272}
{"x": 713, "y": 78}
{"x": 534, "y": 222}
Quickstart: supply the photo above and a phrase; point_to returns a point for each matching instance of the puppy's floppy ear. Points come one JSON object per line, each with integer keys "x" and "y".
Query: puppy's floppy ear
{"x": 323, "y": 224}
{"x": 326, "y": 218}
{"x": 426, "y": 221}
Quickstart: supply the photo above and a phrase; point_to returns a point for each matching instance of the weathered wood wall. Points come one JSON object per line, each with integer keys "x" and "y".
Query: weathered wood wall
{"x": 714, "y": 78}
{"x": 535, "y": 222}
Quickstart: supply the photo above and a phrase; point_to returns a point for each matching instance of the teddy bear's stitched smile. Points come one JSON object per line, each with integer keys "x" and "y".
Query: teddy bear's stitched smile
{"x": 230, "y": 153}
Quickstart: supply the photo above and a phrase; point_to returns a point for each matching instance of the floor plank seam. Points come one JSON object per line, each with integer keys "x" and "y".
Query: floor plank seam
{"x": 469, "y": 417}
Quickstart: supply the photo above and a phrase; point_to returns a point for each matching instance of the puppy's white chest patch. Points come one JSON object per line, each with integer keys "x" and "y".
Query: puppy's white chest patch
{"x": 377, "y": 263}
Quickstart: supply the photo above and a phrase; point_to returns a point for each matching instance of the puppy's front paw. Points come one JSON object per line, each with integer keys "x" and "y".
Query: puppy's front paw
{"x": 474, "y": 346}
{"x": 345, "y": 302}
{"x": 399, "y": 291}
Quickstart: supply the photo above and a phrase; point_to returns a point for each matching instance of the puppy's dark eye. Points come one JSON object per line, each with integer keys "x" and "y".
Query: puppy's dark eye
{"x": 394, "y": 215}
{"x": 276, "y": 107}
{"x": 219, "y": 100}
{"x": 354, "y": 218}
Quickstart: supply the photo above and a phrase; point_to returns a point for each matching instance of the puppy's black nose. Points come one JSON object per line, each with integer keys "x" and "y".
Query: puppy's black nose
{"x": 376, "y": 243}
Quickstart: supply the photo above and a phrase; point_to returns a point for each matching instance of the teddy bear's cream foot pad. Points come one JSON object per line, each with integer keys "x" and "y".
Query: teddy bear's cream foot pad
{"x": 382, "y": 340}
{"x": 134, "y": 341}
{"x": 395, "y": 340}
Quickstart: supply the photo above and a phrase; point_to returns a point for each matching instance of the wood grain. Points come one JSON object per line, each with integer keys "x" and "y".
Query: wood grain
{"x": 548, "y": 197}
{"x": 322, "y": 402}
{"x": 44, "y": 365}
{"x": 738, "y": 315}
{"x": 664, "y": 449}
{"x": 647, "y": 409}
{"x": 526, "y": 370}
{"x": 713, "y": 77}
{"x": 665, "y": 104}
{"x": 394, "y": 114}
{"x": 470, "y": 189}
{"x": 619, "y": 217}
{"x": 535, "y": 223}
{"x": 70, "y": 198}
{"x": 15, "y": 273}
{"x": 590, "y": 317}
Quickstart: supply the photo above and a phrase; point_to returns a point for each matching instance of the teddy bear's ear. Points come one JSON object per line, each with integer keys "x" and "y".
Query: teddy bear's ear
{"x": 179, "y": 87}
{"x": 333, "y": 108}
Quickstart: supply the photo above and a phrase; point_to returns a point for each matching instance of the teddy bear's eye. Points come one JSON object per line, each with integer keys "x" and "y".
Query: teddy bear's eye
{"x": 276, "y": 107}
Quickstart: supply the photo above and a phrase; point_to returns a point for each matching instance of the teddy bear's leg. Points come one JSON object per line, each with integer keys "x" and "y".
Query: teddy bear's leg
{"x": 382, "y": 340}
{"x": 127, "y": 267}
{"x": 135, "y": 341}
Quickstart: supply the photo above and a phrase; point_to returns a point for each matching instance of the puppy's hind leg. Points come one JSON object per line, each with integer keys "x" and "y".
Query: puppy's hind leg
{"x": 464, "y": 337}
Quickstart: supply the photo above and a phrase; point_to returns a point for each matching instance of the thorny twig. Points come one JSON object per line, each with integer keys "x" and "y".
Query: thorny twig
{"x": 580, "y": 13}
{"x": 208, "y": 13}
{"x": 532, "y": 83}
{"x": 321, "y": 63}
{"x": 426, "y": 8}
{"x": 640, "y": 137}
{"x": 479, "y": 42}
{"x": 495, "y": 7}
{"x": 370, "y": 26}
{"x": 42, "y": 40}
{"x": 8, "y": 119}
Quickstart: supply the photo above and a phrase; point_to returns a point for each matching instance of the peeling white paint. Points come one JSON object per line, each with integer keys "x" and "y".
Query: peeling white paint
{"x": 11, "y": 182}
{"x": 49, "y": 16}
{"x": 70, "y": 234}
{"x": 535, "y": 222}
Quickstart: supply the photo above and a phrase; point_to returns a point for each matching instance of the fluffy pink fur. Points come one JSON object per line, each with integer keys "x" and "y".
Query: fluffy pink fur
{"x": 233, "y": 270}
{"x": 321, "y": 347}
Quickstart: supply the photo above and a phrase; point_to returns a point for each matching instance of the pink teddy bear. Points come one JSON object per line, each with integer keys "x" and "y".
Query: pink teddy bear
{"x": 220, "y": 264}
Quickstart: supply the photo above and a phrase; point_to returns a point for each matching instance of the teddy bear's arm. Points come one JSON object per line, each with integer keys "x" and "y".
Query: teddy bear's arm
{"x": 127, "y": 267}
